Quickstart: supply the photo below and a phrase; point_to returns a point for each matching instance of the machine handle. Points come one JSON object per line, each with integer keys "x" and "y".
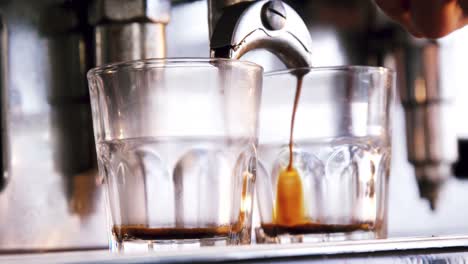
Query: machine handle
{"x": 270, "y": 25}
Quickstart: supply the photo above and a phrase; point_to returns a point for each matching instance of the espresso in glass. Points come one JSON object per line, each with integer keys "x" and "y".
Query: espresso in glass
{"x": 327, "y": 175}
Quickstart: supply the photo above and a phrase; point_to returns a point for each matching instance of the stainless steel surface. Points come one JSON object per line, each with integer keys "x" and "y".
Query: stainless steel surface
{"x": 129, "y": 30}
{"x": 129, "y": 41}
{"x": 430, "y": 131}
{"x": 155, "y": 11}
{"x": 52, "y": 200}
{"x": 410, "y": 250}
{"x": 241, "y": 28}
{"x": 274, "y": 15}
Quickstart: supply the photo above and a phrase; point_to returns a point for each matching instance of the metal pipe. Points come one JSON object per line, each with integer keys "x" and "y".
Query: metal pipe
{"x": 129, "y": 30}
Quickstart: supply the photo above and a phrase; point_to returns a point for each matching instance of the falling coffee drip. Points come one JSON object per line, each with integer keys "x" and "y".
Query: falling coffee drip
{"x": 300, "y": 77}
{"x": 289, "y": 209}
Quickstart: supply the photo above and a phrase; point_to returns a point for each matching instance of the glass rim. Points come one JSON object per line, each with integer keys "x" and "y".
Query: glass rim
{"x": 331, "y": 69}
{"x": 159, "y": 63}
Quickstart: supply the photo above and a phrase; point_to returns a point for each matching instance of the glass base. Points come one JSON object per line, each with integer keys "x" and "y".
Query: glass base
{"x": 262, "y": 238}
{"x": 139, "y": 246}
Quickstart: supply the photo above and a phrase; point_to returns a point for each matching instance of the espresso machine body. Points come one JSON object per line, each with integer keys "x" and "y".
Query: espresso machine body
{"x": 50, "y": 195}
{"x": 51, "y": 198}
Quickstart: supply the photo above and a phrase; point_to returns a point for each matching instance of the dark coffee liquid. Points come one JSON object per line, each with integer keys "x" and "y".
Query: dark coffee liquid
{"x": 147, "y": 233}
{"x": 141, "y": 232}
{"x": 313, "y": 228}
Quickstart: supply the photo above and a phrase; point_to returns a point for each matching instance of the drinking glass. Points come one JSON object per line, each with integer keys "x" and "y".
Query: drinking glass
{"x": 176, "y": 141}
{"x": 336, "y": 186}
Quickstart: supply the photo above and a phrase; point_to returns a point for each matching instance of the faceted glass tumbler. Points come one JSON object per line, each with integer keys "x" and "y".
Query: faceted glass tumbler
{"x": 341, "y": 153}
{"x": 176, "y": 141}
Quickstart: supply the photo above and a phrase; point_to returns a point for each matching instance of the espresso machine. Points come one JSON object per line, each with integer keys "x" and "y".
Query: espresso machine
{"x": 50, "y": 194}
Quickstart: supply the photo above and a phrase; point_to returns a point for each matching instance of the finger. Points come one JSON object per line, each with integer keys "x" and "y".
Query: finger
{"x": 435, "y": 18}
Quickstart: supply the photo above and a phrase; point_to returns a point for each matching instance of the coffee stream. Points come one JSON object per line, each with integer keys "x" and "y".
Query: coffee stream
{"x": 289, "y": 209}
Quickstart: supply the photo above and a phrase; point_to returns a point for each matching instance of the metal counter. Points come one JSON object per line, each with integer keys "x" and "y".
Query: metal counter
{"x": 447, "y": 249}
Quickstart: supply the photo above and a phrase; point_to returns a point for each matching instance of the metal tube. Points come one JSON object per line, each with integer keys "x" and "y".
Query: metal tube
{"x": 129, "y": 29}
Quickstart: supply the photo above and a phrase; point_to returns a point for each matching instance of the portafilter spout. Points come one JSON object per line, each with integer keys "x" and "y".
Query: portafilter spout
{"x": 238, "y": 27}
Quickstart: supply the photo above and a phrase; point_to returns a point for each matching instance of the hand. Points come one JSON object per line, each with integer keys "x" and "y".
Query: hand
{"x": 427, "y": 18}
